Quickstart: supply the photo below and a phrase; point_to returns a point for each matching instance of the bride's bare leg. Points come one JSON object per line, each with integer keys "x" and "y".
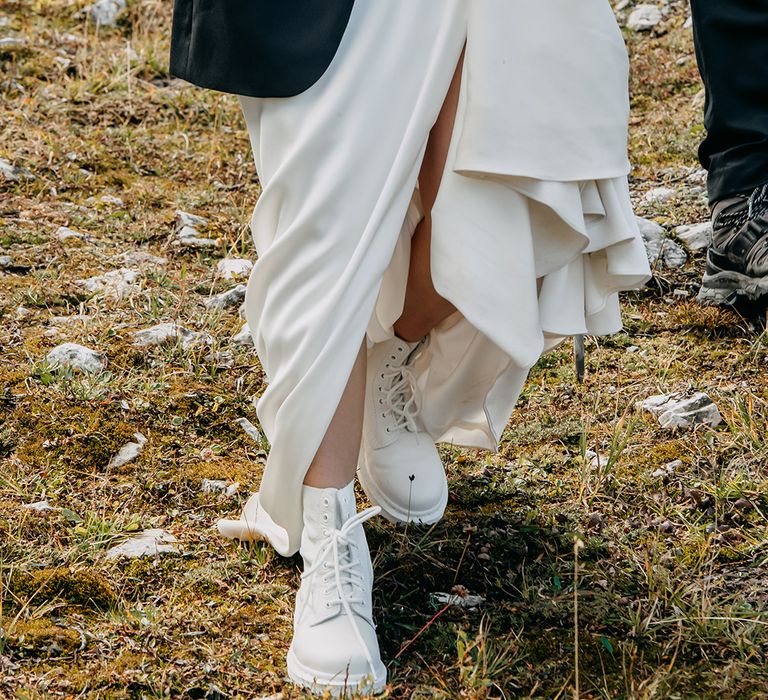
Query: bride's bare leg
{"x": 335, "y": 462}
{"x": 424, "y": 308}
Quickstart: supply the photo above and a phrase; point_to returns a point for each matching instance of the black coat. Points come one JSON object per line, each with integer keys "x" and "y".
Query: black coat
{"x": 261, "y": 48}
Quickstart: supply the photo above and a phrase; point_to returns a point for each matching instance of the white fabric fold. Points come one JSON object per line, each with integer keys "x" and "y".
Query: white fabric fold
{"x": 533, "y": 233}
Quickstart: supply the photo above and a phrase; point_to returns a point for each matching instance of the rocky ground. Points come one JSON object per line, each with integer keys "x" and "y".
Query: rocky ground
{"x": 636, "y": 527}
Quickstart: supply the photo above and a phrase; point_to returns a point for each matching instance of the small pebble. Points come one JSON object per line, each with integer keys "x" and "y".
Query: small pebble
{"x": 75, "y": 356}
{"x": 644, "y": 18}
{"x": 659, "y": 195}
{"x": 128, "y": 452}
{"x": 225, "y": 300}
{"x": 105, "y": 13}
{"x": 230, "y": 268}
{"x": 219, "y": 486}
{"x": 243, "y": 337}
{"x": 148, "y": 543}
{"x": 63, "y": 233}
{"x": 250, "y": 429}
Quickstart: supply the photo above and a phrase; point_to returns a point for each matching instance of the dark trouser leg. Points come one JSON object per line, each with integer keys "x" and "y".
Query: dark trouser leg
{"x": 731, "y": 39}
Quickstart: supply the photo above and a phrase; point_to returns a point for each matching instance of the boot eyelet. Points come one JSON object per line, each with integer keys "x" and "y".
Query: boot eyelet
{"x": 326, "y": 565}
{"x": 325, "y": 517}
{"x": 381, "y": 401}
{"x": 326, "y": 502}
{"x": 327, "y": 603}
{"x": 388, "y": 430}
{"x": 325, "y": 532}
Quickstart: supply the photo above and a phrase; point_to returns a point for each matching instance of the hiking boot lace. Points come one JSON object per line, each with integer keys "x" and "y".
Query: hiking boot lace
{"x": 400, "y": 398}
{"x": 347, "y": 576}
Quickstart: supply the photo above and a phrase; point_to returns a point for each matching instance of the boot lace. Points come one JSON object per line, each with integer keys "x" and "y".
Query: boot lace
{"x": 346, "y": 571}
{"x": 400, "y": 398}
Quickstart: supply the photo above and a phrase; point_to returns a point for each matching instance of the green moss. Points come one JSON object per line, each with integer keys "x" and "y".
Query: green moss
{"x": 40, "y": 636}
{"x": 67, "y": 433}
{"x": 83, "y": 587}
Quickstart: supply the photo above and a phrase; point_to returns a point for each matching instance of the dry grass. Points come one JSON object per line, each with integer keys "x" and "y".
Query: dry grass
{"x": 673, "y": 572}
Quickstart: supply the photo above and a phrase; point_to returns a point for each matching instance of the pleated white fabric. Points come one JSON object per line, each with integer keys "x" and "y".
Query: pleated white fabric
{"x": 533, "y": 234}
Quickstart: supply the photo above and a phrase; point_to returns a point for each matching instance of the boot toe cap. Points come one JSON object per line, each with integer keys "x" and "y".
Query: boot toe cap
{"x": 330, "y": 653}
{"x": 407, "y": 479}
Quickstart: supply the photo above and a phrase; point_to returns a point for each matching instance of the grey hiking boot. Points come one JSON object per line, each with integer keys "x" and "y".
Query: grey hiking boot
{"x": 737, "y": 260}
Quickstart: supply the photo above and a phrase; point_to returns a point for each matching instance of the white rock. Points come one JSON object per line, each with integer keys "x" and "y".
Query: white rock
{"x": 148, "y": 543}
{"x": 129, "y": 451}
{"x": 644, "y": 18}
{"x": 184, "y": 218}
{"x": 225, "y": 300}
{"x": 22, "y": 312}
{"x": 672, "y": 255}
{"x": 621, "y": 5}
{"x": 12, "y": 43}
{"x": 167, "y": 332}
{"x": 659, "y": 195}
{"x": 667, "y": 470}
{"x": 688, "y": 23}
{"x": 63, "y": 233}
{"x": 115, "y": 283}
{"x": 649, "y": 230}
{"x": 681, "y": 410}
{"x": 243, "y": 337}
{"x": 699, "y": 99}
{"x": 39, "y": 506}
{"x": 241, "y": 311}
{"x": 190, "y": 238}
{"x": 219, "y": 486}
{"x": 105, "y": 13}
{"x": 67, "y": 320}
{"x": 111, "y": 199}
{"x": 187, "y": 232}
{"x": 140, "y": 258}
{"x": 233, "y": 267}
{"x": 250, "y": 429}
{"x": 14, "y": 172}
{"x": 458, "y": 601}
{"x": 74, "y": 356}
{"x": 5, "y": 261}
{"x": 665, "y": 254}
{"x": 698, "y": 176}
{"x": 221, "y": 359}
{"x": 695, "y": 236}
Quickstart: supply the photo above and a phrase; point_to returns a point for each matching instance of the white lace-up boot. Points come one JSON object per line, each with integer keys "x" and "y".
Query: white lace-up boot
{"x": 399, "y": 468}
{"x": 334, "y": 643}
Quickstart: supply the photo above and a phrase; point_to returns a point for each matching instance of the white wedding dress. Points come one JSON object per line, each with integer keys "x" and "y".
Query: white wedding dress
{"x": 533, "y": 233}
